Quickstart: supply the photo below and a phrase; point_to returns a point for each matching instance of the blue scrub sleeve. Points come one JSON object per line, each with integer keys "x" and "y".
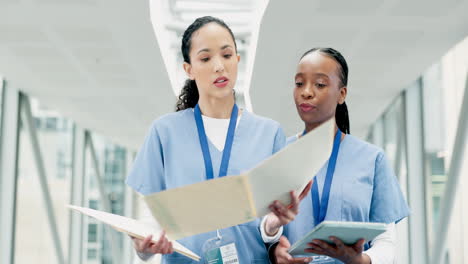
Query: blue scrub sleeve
{"x": 388, "y": 204}
{"x": 280, "y": 140}
{"x": 147, "y": 173}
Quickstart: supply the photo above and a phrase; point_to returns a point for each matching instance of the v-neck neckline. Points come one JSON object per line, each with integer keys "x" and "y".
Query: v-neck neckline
{"x": 236, "y": 132}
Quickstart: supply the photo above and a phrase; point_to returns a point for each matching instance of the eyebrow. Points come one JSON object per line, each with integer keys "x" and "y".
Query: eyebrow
{"x": 300, "y": 74}
{"x": 226, "y": 46}
{"x": 322, "y": 75}
{"x": 208, "y": 50}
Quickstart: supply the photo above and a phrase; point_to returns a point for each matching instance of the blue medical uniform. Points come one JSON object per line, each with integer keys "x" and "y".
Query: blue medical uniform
{"x": 171, "y": 157}
{"x": 364, "y": 189}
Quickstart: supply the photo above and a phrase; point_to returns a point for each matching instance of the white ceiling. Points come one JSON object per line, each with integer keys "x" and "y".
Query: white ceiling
{"x": 387, "y": 44}
{"x": 98, "y": 62}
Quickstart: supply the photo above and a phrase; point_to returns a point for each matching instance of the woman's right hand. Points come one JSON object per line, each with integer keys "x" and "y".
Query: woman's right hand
{"x": 146, "y": 246}
{"x": 282, "y": 256}
{"x": 281, "y": 214}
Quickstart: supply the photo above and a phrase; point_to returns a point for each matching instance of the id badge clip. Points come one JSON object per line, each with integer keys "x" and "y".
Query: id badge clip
{"x": 322, "y": 260}
{"x": 220, "y": 250}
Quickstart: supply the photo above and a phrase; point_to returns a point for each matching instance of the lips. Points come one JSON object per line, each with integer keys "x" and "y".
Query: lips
{"x": 307, "y": 107}
{"x": 221, "y": 82}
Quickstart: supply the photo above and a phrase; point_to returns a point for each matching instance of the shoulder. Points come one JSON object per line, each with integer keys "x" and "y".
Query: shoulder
{"x": 171, "y": 120}
{"x": 364, "y": 155}
{"x": 357, "y": 146}
{"x": 166, "y": 125}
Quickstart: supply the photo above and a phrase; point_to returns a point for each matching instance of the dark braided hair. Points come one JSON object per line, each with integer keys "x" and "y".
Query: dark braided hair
{"x": 189, "y": 96}
{"x": 341, "y": 113}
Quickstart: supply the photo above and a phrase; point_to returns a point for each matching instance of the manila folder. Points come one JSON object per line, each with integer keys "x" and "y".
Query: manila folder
{"x": 232, "y": 200}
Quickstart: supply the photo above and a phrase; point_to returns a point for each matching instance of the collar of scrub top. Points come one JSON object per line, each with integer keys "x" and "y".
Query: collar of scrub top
{"x": 321, "y": 207}
{"x": 204, "y": 143}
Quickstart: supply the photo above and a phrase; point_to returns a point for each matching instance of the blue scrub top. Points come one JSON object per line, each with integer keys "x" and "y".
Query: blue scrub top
{"x": 364, "y": 189}
{"x": 171, "y": 157}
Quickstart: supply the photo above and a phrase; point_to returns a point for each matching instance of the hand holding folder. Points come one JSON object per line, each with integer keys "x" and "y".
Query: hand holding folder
{"x": 134, "y": 228}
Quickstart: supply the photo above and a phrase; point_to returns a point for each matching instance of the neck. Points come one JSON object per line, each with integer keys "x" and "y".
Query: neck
{"x": 310, "y": 127}
{"x": 216, "y": 108}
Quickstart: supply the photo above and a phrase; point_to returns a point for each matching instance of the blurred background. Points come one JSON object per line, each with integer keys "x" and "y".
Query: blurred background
{"x": 81, "y": 82}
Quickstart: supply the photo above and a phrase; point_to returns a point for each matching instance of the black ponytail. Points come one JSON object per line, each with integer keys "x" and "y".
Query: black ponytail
{"x": 341, "y": 114}
{"x": 342, "y": 118}
{"x": 189, "y": 96}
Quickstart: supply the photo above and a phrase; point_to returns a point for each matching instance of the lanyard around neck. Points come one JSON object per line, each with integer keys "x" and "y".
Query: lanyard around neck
{"x": 321, "y": 207}
{"x": 204, "y": 143}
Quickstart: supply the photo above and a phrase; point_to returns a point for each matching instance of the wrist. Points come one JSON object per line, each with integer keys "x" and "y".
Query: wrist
{"x": 144, "y": 255}
{"x": 360, "y": 259}
{"x": 271, "y": 229}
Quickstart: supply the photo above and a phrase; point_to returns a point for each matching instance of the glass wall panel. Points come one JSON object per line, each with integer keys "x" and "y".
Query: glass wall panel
{"x": 394, "y": 146}
{"x": 434, "y": 143}
{"x": 34, "y": 242}
{"x": 447, "y": 82}
{"x": 1, "y": 104}
{"x": 392, "y": 130}
{"x": 111, "y": 163}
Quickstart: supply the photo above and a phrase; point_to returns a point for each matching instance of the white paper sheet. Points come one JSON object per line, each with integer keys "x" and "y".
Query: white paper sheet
{"x": 133, "y": 227}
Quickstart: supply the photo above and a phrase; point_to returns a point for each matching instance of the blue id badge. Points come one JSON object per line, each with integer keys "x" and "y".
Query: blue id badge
{"x": 220, "y": 250}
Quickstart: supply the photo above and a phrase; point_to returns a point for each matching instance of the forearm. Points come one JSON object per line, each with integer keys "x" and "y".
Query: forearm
{"x": 382, "y": 249}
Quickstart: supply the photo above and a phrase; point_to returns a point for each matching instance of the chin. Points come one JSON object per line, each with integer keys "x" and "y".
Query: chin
{"x": 307, "y": 118}
{"x": 223, "y": 93}
{"x": 304, "y": 117}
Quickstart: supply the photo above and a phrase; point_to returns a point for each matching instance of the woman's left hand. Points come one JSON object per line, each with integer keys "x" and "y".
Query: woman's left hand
{"x": 281, "y": 214}
{"x": 351, "y": 254}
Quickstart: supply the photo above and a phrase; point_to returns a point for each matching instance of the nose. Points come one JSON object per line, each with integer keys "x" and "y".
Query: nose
{"x": 218, "y": 65}
{"x": 308, "y": 92}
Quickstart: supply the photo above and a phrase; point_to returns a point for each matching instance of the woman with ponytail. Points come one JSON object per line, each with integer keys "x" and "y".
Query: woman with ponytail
{"x": 207, "y": 137}
{"x": 358, "y": 180}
